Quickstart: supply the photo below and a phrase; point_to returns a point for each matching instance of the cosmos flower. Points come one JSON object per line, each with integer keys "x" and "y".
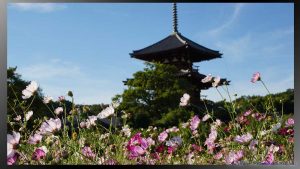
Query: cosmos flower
{"x": 252, "y": 144}
{"x": 58, "y": 110}
{"x": 289, "y": 122}
{"x": 137, "y": 146}
{"x": 35, "y": 139}
{"x": 106, "y": 112}
{"x": 87, "y": 152}
{"x": 126, "y": 130}
{"x": 12, "y": 142}
{"x": 255, "y": 77}
{"x": 30, "y": 89}
{"x": 172, "y": 129}
{"x": 184, "y": 100}
{"x": 207, "y": 79}
{"x": 28, "y": 115}
{"x": 39, "y": 153}
{"x": 216, "y": 81}
{"x": 247, "y": 113}
{"x": 234, "y": 157}
{"x": 162, "y": 136}
{"x": 92, "y": 120}
{"x": 12, "y": 159}
{"x": 218, "y": 156}
{"x": 150, "y": 141}
{"x": 47, "y": 99}
{"x": 61, "y": 98}
{"x": 194, "y": 123}
{"x": 206, "y": 117}
{"x": 50, "y": 126}
{"x": 244, "y": 138}
{"x": 18, "y": 118}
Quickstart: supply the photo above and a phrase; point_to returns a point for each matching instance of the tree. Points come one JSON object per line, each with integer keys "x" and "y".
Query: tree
{"x": 153, "y": 96}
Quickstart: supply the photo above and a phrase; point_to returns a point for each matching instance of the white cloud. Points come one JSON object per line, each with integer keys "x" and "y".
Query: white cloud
{"x": 229, "y": 22}
{"x": 54, "y": 68}
{"x": 38, "y": 7}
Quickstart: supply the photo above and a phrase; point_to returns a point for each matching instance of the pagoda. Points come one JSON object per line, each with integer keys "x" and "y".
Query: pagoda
{"x": 182, "y": 52}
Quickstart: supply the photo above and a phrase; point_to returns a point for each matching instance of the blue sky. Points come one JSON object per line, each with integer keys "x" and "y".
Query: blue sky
{"x": 85, "y": 47}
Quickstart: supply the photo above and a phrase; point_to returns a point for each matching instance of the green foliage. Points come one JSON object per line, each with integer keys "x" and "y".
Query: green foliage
{"x": 153, "y": 96}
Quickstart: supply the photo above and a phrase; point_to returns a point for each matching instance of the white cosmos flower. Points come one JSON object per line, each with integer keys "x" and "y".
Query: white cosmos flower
{"x": 106, "y": 112}
{"x": 47, "y": 99}
{"x": 184, "y": 100}
{"x": 50, "y": 126}
{"x": 92, "y": 120}
{"x": 58, "y": 110}
{"x": 18, "y": 118}
{"x": 216, "y": 81}
{"x": 28, "y": 115}
{"x": 36, "y": 138}
{"x": 207, "y": 79}
{"x": 12, "y": 141}
{"x": 30, "y": 89}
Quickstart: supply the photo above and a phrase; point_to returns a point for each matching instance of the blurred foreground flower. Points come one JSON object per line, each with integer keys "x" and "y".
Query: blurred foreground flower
{"x": 207, "y": 79}
{"x": 50, "y": 126}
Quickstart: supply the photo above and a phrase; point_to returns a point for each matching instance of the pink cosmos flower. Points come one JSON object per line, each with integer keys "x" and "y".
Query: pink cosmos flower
{"x": 218, "y": 156}
{"x": 30, "y": 89}
{"x": 39, "y": 153}
{"x": 137, "y": 146}
{"x": 12, "y": 159}
{"x": 269, "y": 158}
{"x": 12, "y": 142}
{"x": 87, "y": 152}
{"x": 252, "y": 144}
{"x": 244, "y": 138}
{"x": 255, "y": 77}
{"x": 50, "y": 126}
{"x": 247, "y": 113}
{"x": 206, "y": 117}
{"x": 35, "y": 139}
{"x": 194, "y": 123}
{"x": 289, "y": 122}
{"x": 234, "y": 157}
{"x": 162, "y": 136}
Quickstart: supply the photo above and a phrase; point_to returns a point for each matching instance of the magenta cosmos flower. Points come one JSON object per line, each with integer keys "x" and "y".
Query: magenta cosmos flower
{"x": 137, "y": 146}
{"x": 194, "y": 123}
{"x": 255, "y": 77}
{"x": 39, "y": 153}
{"x": 12, "y": 159}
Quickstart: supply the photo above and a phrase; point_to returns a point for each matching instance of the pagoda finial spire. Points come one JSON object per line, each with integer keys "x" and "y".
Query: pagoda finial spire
{"x": 175, "y": 30}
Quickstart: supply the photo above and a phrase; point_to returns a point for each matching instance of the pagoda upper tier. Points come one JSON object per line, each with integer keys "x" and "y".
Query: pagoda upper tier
{"x": 174, "y": 48}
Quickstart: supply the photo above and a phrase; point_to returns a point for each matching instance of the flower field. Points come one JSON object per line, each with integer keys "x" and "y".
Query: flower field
{"x": 251, "y": 137}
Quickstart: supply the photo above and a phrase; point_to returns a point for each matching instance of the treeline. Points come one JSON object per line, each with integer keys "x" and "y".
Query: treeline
{"x": 144, "y": 107}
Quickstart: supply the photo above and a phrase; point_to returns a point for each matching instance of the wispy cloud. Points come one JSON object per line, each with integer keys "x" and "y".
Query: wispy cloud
{"x": 38, "y": 7}
{"x": 235, "y": 15}
{"x": 54, "y": 68}
{"x": 56, "y": 77}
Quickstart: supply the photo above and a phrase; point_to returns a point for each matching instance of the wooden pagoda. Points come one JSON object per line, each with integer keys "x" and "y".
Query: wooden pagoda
{"x": 182, "y": 52}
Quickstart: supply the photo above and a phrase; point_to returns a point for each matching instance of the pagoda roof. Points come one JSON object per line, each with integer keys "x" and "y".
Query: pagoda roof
{"x": 174, "y": 45}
